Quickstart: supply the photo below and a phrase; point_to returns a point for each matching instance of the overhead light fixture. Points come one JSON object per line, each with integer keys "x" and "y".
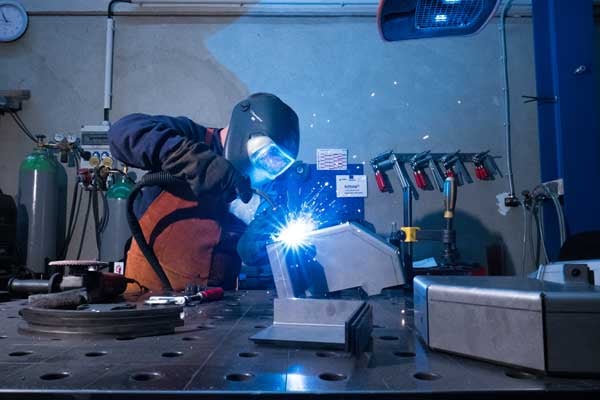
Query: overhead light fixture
{"x": 415, "y": 19}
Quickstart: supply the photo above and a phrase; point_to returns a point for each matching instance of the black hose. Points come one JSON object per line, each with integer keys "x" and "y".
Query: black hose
{"x": 96, "y": 217}
{"x": 163, "y": 180}
{"x": 85, "y": 222}
{"x": 63, "y": 253}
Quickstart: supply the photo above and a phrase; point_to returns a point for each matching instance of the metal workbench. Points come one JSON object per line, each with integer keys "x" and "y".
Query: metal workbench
{"x": 211, "y": 356}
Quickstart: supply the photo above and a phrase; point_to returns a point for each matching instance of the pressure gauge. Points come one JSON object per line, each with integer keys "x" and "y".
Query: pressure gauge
{"x": 13, "y": 20}
{"x": 71, "y": 139}
{"x": 59, "y": 137}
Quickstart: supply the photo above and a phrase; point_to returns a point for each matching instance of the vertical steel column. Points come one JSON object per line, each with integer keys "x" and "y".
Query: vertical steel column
{"x": 568, "y": 129}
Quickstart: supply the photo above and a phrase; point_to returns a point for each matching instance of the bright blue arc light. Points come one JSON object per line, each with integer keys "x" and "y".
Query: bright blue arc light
{"x": 295, "y": 233}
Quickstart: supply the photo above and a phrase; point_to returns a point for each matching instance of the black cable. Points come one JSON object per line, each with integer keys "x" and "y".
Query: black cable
{"x": 77, "y": 213}
{"x": 143, "y": 289}
{"x": 63, "y": 253}
{"x": 106, "y": 213}
{"x": 162, "y": 179}
{"x": 85, "y": 222}
{"x": 22, "y": 126}
{"x": 96, "y": 218}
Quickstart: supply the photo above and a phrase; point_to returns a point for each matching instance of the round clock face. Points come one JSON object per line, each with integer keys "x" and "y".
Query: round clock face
{"x": 13, "y": 20}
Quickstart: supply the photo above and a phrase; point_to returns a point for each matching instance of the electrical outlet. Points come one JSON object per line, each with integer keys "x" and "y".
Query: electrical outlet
{"x": 556, "y": 186}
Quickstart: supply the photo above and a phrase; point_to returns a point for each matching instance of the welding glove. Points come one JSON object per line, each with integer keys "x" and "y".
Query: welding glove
{"x": 207, "y": 173}
{"x": 252, "y": 244}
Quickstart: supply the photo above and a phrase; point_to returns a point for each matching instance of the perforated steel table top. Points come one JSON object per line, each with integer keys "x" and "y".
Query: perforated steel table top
{"x": 211, "y": 356}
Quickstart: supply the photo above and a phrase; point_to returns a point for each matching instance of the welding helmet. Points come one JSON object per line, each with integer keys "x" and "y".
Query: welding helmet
{"x": 263, "y": 137}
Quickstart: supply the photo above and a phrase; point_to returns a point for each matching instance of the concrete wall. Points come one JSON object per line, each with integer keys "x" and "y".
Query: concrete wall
{"x": 349, "y": 88}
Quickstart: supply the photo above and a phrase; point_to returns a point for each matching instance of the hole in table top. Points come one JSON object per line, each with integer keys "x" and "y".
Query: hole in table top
{"x": 172, "y": 354}
{"x": 188, "y": 338}
{"x": 3, "y": 337}
{"x": 378, "y": 326}
{"x": 12, "y": 317}
{"x": 20, "y": 353}
{"x": 387, "y": 337}
{"x": 126, "y": 338}
{"x": 53, "y": 376}
{"x": 217, "y": 317}
{"x": 206, "y": 326}
{"x": 404, "y": 354}
{"x": 519, "y": 375}
{"x": 146, "y": 376}
{"x": 332, "y": 376}
{"x": 248, "y": 354}
{"x": 239, "y": 377}
{"x": 96, "y": 354}
{"x": 56, "y": 339}
{"x": 427, "y": 376}
{"x": 233, "y": 304}
{"x": 326, "y": 354}
{"x": 260, "y": 326}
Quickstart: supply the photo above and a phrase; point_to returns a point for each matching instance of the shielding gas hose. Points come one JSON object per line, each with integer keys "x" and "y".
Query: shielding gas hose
{"x": 163, "y": 180}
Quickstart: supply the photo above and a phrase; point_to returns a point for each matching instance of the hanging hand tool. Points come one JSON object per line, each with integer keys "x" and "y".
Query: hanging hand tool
{"x": 485, "y": 166}
{"x": 481, "y": 172}
{"x": 389, "y": 160}
{"x": 454, "y": 167}
{"x": 438, "y": 179}
{"x": 418, "y": 163}
{"x": 205, "y": 295}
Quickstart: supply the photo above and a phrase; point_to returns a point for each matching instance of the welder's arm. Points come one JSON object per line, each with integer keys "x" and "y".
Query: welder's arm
{"x": 175, "y": 145}
{"x": 252, "y": 246}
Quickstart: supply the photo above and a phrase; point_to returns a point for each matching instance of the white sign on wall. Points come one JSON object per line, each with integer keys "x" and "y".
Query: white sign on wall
{"x": 351, "y": 185}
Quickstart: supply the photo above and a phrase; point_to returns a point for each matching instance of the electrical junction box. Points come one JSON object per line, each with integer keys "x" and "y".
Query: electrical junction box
{"x": 526, "y": 323}
{"x": 94, "y": 138}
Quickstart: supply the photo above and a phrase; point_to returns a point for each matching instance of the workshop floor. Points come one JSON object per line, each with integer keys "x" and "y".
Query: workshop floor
{"x": 212, "y": 352}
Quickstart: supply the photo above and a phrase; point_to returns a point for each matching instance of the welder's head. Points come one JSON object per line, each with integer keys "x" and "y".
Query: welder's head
{"x": 263, "y": 137}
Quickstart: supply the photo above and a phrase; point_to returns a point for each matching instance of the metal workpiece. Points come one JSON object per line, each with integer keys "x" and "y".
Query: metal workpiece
{"x": 211, "y": 356}
{"x": 317, "y": 323}
{"x": 340, "y": 257}
{"x": 350, "y": 257}
{"x": 525, "y": 323}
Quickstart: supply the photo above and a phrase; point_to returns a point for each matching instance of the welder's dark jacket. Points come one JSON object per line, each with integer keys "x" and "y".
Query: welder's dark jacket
{"x": 194, "y": 237}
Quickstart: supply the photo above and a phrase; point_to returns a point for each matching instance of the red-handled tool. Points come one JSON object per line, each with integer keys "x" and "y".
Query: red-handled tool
{"x": 418, "y": 163}
{"x": 381, "y": 181}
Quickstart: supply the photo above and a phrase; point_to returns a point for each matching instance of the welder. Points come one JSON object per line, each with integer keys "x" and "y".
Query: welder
{"x": 189, "y": 226}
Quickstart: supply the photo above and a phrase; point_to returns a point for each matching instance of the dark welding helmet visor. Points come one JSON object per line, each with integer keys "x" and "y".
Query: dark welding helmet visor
{"x": 263, "y": 137}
